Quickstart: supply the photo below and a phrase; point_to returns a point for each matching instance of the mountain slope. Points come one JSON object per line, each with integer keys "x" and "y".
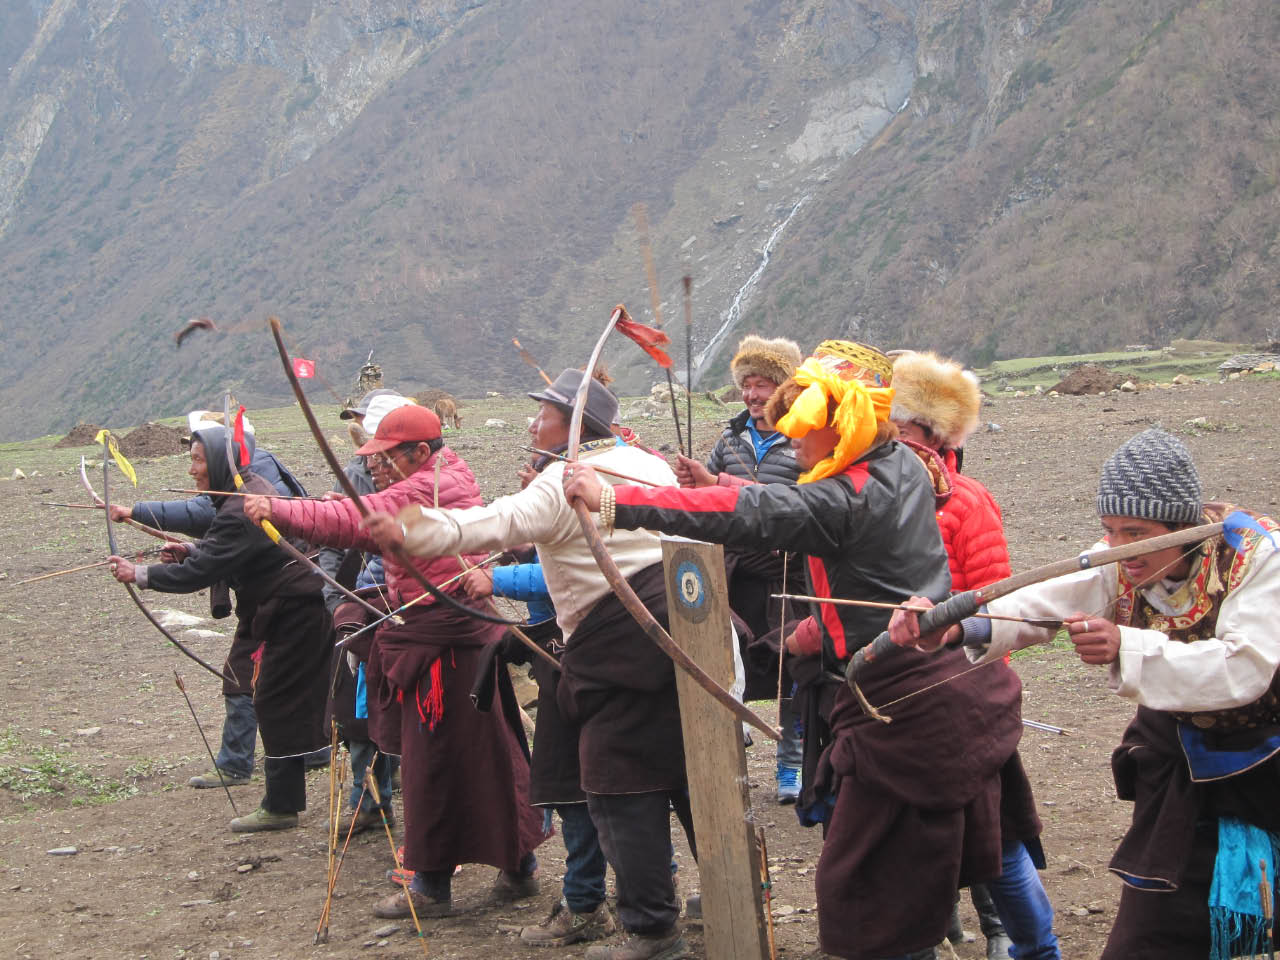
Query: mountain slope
{"x": 426, "y": 180}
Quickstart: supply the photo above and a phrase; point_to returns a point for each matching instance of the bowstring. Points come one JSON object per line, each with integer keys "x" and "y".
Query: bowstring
{"x": 1194, "y": 548}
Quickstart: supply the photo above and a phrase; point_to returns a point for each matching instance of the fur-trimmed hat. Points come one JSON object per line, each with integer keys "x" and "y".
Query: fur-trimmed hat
{"x": 937, "y": 393}
{"x": 772, "y": 359}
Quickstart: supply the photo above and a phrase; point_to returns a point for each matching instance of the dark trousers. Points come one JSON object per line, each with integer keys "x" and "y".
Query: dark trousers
{"x": 286, "y": 779}
{"x": 635, "y": 834}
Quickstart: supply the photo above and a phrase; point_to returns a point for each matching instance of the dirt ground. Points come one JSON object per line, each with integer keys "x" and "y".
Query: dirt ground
{"x": 96, "y": 743}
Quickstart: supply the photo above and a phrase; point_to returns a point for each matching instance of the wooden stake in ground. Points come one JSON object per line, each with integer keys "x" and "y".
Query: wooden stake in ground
{"x": 729, "y": 865}
{"x": 372, "y": 783}
{"x": 766, "y": 885}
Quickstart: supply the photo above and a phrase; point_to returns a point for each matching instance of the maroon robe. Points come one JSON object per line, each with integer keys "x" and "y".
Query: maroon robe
{"x": 464, "y": 774}
{"x": 918, "y": 812}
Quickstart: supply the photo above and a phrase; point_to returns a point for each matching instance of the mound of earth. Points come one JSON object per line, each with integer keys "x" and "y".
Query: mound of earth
{"x": 1088, "y": 380}
{"x": 152, "y": 440}
{"x": 81, "y": 435}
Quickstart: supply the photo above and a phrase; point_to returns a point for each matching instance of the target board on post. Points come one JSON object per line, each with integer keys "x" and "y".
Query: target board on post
{"x": 715, "y": 761}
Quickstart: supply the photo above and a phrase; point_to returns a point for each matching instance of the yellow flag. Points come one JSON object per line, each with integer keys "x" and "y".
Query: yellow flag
{"x": 125, "y": 466}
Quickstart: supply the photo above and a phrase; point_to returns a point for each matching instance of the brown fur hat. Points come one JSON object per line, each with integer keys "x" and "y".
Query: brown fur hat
{"x": 938, "y": 393}
{"x": 774, "y": 359}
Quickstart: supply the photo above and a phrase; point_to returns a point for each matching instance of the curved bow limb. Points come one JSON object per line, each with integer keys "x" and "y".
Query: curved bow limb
{"x": 963, "y": 605}
{"x": 618, "y": 582}
{"x": 133, "y": 594}
{"x": 399, "y": 554}
{"x": 150, "y": 531}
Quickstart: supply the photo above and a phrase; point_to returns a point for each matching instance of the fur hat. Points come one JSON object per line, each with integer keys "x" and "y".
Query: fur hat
{"x": 938, "y": 393}
{"x": 772, "y": 359}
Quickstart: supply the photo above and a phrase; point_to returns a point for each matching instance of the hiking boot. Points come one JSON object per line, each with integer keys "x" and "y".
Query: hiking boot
{"x": 640, "y": 946}
{"x": 510, "y": 887}
{"x": 563, "y": 927}
{"x": 788, "y": 783}
{"x": 396, "y": 906}
{"x": 262, "y": 820}
{"x": 366, "y": 819}
{"x": 207, "y": 780}
{"x": 693, "y": 906}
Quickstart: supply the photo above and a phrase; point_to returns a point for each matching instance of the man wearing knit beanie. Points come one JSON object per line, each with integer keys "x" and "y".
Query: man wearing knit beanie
{"x": 1189, "y": 634}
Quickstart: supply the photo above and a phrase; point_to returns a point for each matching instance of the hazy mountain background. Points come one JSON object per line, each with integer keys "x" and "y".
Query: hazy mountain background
{"x": 427, "y": 180}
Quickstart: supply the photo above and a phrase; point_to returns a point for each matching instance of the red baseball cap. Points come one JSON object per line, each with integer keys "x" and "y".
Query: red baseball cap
{"x": 408, "y": 424}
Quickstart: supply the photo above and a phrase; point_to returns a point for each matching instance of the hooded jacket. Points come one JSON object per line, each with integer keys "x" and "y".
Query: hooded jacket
{"x": 234, "y": 549}
{"x": 193, "y": 516}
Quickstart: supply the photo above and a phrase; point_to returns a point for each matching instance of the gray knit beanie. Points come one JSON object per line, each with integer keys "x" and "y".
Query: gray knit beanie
{"x": 1150, "y": 476}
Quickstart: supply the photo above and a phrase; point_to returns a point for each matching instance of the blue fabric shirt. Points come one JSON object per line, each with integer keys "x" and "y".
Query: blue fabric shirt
{"x": 762, "y": 444}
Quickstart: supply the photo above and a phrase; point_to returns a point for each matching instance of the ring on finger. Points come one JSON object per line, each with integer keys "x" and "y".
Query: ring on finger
{"x": 1086, "y": 627}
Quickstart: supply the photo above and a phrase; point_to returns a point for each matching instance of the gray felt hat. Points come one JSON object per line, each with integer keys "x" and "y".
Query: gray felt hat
{"x": 1151, "y": 476}
{"x": 602, "y": 405}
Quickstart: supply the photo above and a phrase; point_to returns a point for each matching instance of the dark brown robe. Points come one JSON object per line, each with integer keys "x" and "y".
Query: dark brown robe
{"x": 918, "y": 808}
{"x": 465, "y": 781}
{"x": 619, "y": 688}
{"x": 1174, "y": 836}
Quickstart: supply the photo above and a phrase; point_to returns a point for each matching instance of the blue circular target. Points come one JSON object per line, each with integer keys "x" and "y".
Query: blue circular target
{"x": 688, "y": 582}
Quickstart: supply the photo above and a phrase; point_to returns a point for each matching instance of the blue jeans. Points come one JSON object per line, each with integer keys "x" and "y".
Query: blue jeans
{"x": 361, "y": 752}
{"x": 584, "y": 863}
{"x": 791, "y": 746}
{"x": 1024, "y": 907}
{"x": 239, "y": 736}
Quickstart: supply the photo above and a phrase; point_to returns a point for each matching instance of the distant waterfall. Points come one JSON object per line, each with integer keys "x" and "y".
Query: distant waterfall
{"x": 730, "y": 318}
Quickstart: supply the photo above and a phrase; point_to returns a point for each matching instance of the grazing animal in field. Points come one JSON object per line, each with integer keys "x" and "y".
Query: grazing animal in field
{"x": 446, "y": 409}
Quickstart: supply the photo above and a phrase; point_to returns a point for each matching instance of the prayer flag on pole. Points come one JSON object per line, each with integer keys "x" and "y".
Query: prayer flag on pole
{"x": 125, "y": 466}
{"x": 304, "y": 369}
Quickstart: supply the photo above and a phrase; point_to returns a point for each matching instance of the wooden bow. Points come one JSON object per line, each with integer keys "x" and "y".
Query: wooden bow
{"x": 149, "y": 531}
{"x": 965, "y": 604}
{"x": 398, "y": 554}
{"x": 133, "y": 594}
{"x": 618, "y": 582}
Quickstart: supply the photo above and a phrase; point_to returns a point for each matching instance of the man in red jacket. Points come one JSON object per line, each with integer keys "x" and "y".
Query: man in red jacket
{"x": 465, "y": 774}
{"x": 936, "y": 405}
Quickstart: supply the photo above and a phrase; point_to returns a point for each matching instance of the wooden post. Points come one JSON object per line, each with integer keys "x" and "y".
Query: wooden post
{"x": 728, "y": 852}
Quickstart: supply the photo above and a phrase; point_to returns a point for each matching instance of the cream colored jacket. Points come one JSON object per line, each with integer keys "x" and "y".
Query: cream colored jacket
{"x": 540, "y": 514}
{"x": 1232, "y": 668}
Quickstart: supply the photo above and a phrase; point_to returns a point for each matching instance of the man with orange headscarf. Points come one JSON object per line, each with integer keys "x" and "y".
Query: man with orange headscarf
{"x": 923, "y": 791}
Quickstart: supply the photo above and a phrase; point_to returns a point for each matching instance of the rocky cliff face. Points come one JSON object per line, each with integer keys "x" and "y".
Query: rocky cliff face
{"x": 428, "y": 179}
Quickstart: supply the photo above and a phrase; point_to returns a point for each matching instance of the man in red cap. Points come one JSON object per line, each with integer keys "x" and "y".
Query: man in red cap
{"x": 465, "y": 774}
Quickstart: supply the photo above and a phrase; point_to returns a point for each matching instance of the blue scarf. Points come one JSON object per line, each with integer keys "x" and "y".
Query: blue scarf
{"x": 1238, "y": 921}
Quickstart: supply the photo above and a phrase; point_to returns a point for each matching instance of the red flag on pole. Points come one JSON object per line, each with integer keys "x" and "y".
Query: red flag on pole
{"x": 237, "y": 438}
{"x": 303, "y": 369}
